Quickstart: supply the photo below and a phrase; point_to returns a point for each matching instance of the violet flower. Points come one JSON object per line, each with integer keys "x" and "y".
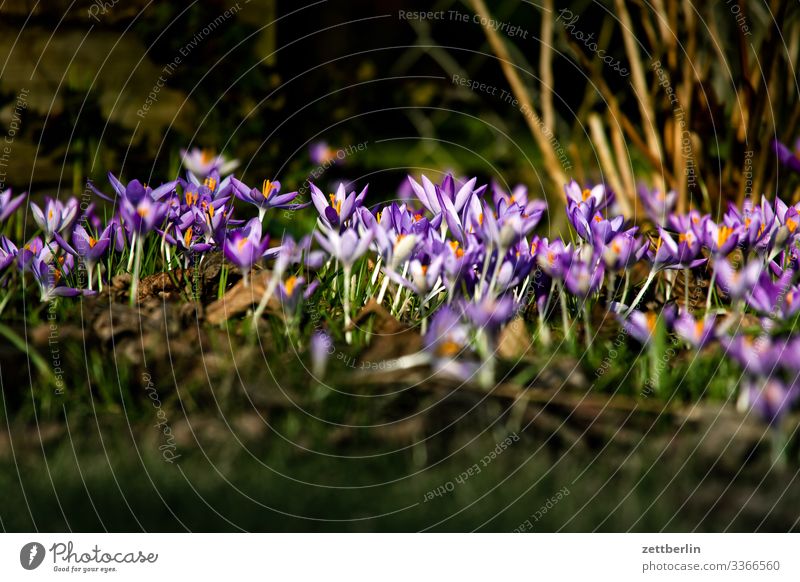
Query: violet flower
{"x": 756, "y": 222}
{"x": 757, "y": 356}
{"x": 668, "y": 254}
{"x": 736, "y": 284}
{"x": 623, "y": 250}
{"x": 244, "y": 246}
{"x": 775, "y": 299}
{"x": 786, "y": 156}
{"x": 89, "y": 249}
{"x": 202, "y": 162}
{"x": 346, "y": 247}
{"x": 658, "y": 205}
{"x": 49, "y": 278}
{"x": 696, "y": 332}
{"x": 448, "y": 342}
{"x": 55, "y": 217}
{"x": 142, "y": 215}
{"x": 8, "y": 252}
{"x": 337, "y": 209}
{"x": 771, "y": 398}
{"x": 321, "y": 153}
{"x": 135, "y": 191}
{"x": 290, "y": 292}
{"x": 9, "y": 205}
{"x": 640, "y": 325}
{"x": 583, "y": 273}
{"x": 268, "y": 196}
{"x": 490, "y": 314}
{"x": 720, "y": 239}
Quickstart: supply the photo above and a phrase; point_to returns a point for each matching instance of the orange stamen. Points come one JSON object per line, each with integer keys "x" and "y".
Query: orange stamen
{"x": 266, "y": 188}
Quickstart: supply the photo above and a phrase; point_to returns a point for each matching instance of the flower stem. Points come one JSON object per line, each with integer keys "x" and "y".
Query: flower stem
{"x": 642, "y": 291}
{"x": 612, "y": 279}
{"x": 562, "y": 297}
{"x": 711, "y": 286}
{"x": 400, "y": 289}
{"x": 625, "y": 287}
{"x": 130, "y": 254}
{"x": 137, "y": 267}
{"x": 348, "y": 336}
{"x": 587, "y": 326}
{"x": 686, "y": 289}
{"x": 262, "y": 305}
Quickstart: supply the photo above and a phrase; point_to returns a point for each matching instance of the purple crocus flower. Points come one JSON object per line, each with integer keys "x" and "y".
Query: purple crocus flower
{"x": 49, "y": 279}
{"x": 89, "y": 249}
{"x": 188, "y": 238}
{"x": 346, "y": 247}
{"x": 9, "y": 205}
{"x": 681, "y": 255}
{"x": 771, "y": 398}
{"x": 337, "y": 209}
{"x": 85, "y": 246}
{"x": 135, "y": 191}
{"x": 736, "y": 284}
{"x": 786, "y": 156}
{"x": 518, "y": 199}
{"x": 757, "y": 223}
{"x": 490, "y": 313}
{"x": 775, "y": 299}
{"x": 691, "y": 222}
{"x": 640, "y": 325}
{"x": 244, "y": 246}
{"x": 142, "y": 213}
{"x": 428, "y": 193}
{"x": 448, "y": 343}
{"x": 720, "y": 239}
{"x": 31, "y": 250}
{"x": 202, "y": 162}
{"x": 515, "y": 225}
{"x": 290, "y": 292}
{"x": 601, "y": 230}
{"x": 658, "y": 205}
{"x": 553, "y": 257}
{"x": 268, "y": 196}
{"x": 8, "y": 252}
{"x": 583, "y": 273}
{"x": 423, "y": 278}
{"x": 583, "y": 205}
{"x": 623, "y": 250}
{"x": 757, "y": 356}
{"x": 697, "y": 332}
{"x": 321, "y": 153}
{"x": 55, "y": 217}
{"x": 585, "y": 198}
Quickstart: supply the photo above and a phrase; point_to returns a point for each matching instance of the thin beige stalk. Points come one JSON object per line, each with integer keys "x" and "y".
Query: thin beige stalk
{"x": 624, "y": 165}
{"x": 638, "y": 79}
{"x": 546, "y": 65}
{"x": 607, "y": 160}
{"x": 552, "y": 165}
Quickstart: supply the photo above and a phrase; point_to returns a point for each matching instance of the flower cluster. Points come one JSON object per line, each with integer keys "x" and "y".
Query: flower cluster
{"x": 459, "y": 258}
